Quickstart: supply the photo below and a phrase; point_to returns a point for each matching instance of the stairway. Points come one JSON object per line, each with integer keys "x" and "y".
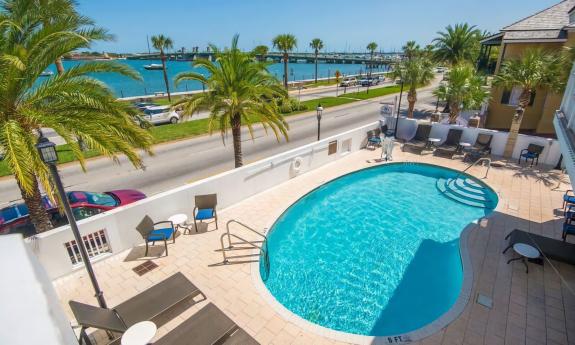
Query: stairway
{"x": 466, "y": 191}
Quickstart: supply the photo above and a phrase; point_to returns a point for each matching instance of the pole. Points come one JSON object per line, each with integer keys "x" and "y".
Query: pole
{"x": 148, "y": 42}
{"x": 398, "y": 108}
{"x": 318, "y": 126}
{"x": 68, "y": 210}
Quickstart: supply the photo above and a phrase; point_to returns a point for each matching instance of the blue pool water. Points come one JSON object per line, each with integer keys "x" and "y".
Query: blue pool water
{"x": 375, "y": 252}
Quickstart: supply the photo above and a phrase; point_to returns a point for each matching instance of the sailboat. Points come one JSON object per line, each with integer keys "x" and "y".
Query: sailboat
{"x": 46, "y": 74}
{"x": 154, "y": 66}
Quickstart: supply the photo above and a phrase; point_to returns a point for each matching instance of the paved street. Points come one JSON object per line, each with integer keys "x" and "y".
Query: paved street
{"x": 180, "y": 162}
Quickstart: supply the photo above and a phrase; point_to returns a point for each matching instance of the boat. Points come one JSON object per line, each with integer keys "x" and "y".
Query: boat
{"x": 154, "y": 66}
{"x": 46, "y": 74}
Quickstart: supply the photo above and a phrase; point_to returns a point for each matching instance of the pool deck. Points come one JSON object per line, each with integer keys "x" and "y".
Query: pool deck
{"x": 534, "y": 308}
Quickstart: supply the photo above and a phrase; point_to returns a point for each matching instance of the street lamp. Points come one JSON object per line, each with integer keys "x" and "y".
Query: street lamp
{"x": 398, "y": 108}
{"x": 48, "y": 154}
{"x": 319, "y": 110}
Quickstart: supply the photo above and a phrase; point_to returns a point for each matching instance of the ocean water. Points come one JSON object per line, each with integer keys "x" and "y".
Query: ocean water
{"x": 153, "y": 81}
{"x": 372, "y": 253}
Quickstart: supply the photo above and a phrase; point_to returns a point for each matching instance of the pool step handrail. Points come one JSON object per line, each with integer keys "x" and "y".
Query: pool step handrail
{"x": 484, "y": 159}
{"x": 261, "y": 245}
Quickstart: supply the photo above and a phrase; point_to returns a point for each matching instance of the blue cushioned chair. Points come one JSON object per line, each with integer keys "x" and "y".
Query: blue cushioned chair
{"x": 373, "y": 139}
{"x": 205, "y": 209}
{"x": 531, "y": 152}
{"x": 568, "y": 199}
{"x": 568, "y": 229}
{"x": 160, "y": 231}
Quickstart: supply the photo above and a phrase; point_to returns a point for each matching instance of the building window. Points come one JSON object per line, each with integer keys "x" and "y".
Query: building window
{"x": 511, "y": 97}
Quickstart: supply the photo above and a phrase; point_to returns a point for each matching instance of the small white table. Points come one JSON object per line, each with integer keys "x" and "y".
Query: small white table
{"x": 465, "y": 145}
{"x": 525, "y": 251}
{"x": 179, "y": 221}
{"x": 140, "y": 333}
{"x": 433, "y": 142}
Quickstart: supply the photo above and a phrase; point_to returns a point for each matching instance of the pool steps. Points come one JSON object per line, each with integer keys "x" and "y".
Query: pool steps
{"x": 465, "y": 191}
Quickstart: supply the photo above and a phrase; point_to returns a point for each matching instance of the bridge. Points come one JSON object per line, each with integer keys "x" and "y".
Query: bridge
{"x": 331, "y": 58}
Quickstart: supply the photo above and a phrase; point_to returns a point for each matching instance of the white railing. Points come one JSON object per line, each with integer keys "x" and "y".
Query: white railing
{"x": 96, "y": 244}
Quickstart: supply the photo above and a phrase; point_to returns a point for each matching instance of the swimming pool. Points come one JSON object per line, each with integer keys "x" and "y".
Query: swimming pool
{"x": 375, "y": 252}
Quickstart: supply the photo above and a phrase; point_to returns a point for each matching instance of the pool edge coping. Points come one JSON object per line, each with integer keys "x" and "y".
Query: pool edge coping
{"x": 416, "y": 335}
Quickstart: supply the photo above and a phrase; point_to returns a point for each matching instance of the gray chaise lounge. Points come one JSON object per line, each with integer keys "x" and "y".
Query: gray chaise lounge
{"x": 451, "y": 144}
{"x": 550, "y": 247}
{"x": 420, "y": 141}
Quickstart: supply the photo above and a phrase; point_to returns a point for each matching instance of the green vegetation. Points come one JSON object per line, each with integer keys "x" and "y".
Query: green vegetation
{"x": 316, "y": 44}
{"x": 377, "y": 92}
{"x": 163, "y": 43}
{"x": 286, "y": 43}
{"x": 459, "y": 43}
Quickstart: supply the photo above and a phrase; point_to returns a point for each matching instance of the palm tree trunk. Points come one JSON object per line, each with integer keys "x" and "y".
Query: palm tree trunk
{"x": 316, "y": 67}
{"x": 38, "y": 215}
{"x": 59, "y": 65}
{"x": 453, "y": 113}
{"x": 516, "y": 123}
{"x": 237, "y": 138}
{"x": 411, "y": 99}
{"x": 166, "y": 77}
{"x": 286, "y": 58}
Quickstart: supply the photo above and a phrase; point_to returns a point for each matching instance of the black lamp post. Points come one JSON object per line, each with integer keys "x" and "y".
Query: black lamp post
{"x": 398, "y": 108}
{"x": 47, "y": 150}
{"x": 319, "y": 110}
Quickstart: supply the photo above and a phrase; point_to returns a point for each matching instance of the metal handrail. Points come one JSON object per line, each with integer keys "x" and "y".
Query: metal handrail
{"x": 486, "y": 159}
{"x": 245, "y": 226}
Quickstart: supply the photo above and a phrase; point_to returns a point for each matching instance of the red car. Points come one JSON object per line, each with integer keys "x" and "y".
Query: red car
{"x": 15, "y": 218}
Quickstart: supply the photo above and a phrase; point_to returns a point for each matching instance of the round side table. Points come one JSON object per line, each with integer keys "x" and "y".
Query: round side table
{"x": 525, "y": 252}
{"x": 179, "y": 221}
{"x": 433, "y": 142}
{"x": 140, "y": 333}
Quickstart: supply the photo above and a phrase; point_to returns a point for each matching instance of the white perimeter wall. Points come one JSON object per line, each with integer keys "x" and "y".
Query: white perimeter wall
{"x": 238, "y": 184}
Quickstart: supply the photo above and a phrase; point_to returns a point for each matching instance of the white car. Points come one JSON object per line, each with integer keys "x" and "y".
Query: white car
{"x": 161, "y": 114}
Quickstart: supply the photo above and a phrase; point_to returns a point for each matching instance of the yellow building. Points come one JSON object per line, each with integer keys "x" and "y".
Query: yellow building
{"x": 551, "y": 29}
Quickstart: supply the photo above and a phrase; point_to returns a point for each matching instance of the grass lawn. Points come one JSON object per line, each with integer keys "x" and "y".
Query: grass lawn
{"x": 194, "y": 128}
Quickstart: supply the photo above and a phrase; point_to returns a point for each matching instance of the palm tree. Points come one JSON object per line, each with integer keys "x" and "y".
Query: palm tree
{"x": 414, "y": 71}
{"x": 242, "y": 92}
{"x": 316, "y": 44}
{"x": 464, "y": 91}
{"x": 534, "y": 69}
{"x": 410, "y": 49}
{"x": 371, "y": 47}
{"x": 285, "y": 43}
{"x": 72, "y": 103}
{"x": 163, "y": 43}
{"x": 261, "y": 52}
{"x": 458, "y": 43}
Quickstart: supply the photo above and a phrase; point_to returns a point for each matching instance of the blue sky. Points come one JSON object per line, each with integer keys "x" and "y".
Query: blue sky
{"x": 342, "y": 25}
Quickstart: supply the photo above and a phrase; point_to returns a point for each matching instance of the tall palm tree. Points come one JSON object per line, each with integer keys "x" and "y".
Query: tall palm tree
{"x": 163, "y": 43}
{"x": 534, "y": 69}
{"x": 242, "y": 92}
{"x": 458, "y": 43}
{"x": 72, "y": 103}
{"x": 371, "y": 47}
{"x": 285, "y": 43}
{"x": 261, "y": 52}
{"x": 316, "y": 44}
{"x": 410, "y": 49}
{"x": 465, "y": 90}
{"x": 414, "y": 71}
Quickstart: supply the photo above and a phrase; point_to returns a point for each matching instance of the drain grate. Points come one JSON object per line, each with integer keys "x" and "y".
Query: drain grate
{"x": 145, "y": 267}
{"x": 484, "y": 301}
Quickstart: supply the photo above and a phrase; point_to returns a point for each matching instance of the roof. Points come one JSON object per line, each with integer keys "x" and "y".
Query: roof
{"x": 545, "y": 25}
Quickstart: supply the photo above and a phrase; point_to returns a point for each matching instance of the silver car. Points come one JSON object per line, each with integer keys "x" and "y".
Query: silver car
{"x": 161, "y": 114}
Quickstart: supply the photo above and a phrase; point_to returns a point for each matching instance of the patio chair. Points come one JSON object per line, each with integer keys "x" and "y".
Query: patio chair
{"x": 205, "y": 209}
{"x": 451, "y": 144}
{"x": 206, "y": 327}
{"x": 151, "y": 232}
{"x": 549, "y": 247}
{"x": 373, "y": 139}
{"x": 531, "y": 152}
{"x": 420, "y": 141}
{"x": 143, "y": 307}
{"x": 568, "y": 199}
{"x": 481, "y": 148}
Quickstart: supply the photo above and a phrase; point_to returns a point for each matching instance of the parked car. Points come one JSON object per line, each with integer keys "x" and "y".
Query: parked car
{"x": 369, "y": 81}
{"x": 348, "y": 81}
{"x": 144, "y": 105}
{"x": 15, "y": 218}
{"x": 161, "y": 114}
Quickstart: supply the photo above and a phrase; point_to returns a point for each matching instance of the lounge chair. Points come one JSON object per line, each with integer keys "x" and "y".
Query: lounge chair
{"x": 481, "y": 148}
{"x": 205, "y": 209}
{"x": 568, "y": 199}
{"x": 143, "y": 307}
{"x": 208, "y": 326}
{"x": 151, "y": 232}
{"x": 420, "y": 141}
{"x": 550, "y": 247}
{"x": 373, "y": 139}
{"x": 531, "y": 152}
{"x": 451, "y": 144}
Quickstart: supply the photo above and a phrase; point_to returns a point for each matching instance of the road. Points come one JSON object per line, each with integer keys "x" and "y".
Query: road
{"x": 181, "y": 162}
